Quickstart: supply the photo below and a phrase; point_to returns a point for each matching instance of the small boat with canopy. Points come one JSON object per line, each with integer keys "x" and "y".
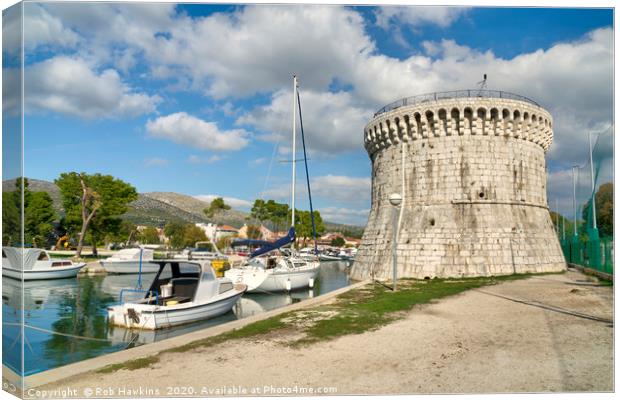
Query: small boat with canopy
{"x": 36, "y": 264}
{"x": 181, "y": 292}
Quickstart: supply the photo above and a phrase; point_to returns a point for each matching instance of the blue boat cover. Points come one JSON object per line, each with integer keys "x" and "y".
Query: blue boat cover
{"x": 283, "y": 241}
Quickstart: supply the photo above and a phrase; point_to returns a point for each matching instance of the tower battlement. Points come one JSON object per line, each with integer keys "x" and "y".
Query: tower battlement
{"x": 459, "y": 116}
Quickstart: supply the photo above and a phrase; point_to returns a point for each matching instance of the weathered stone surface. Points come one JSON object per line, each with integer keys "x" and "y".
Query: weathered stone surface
{"x": 475, "y": 190}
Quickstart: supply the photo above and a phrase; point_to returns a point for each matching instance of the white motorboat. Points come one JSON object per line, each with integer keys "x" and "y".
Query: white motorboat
{"x": 181, "y": 292}
{"x": 127, "y": 261}
{"x": 275, "y": 273}
{"x": 329, "y": 255}
{"x": 36, "y": 264}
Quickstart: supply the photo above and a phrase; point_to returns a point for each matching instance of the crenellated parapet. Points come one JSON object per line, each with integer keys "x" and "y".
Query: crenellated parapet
{"x": 483, "y": 116}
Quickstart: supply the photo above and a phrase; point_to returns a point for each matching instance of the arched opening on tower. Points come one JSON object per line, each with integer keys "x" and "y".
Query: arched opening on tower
{"x": 469, "y": 119}
{"x": 456, "y": 122}
{"x": 481, "y": 116}
{"x": 430, "y": 120}
{"x": 418, "y": 123}
{"x": 494, "y": 120}
{"x": 443, "y": 122}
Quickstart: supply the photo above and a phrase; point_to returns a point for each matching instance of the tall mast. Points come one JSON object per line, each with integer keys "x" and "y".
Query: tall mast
{"x": 294, "y": 150}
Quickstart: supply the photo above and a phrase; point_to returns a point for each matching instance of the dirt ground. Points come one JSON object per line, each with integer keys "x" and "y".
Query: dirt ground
{"x": 475, "y": 342}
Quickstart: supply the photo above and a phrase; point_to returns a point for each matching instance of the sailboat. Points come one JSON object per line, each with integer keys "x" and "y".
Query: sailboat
{"x": 270, "y": 268}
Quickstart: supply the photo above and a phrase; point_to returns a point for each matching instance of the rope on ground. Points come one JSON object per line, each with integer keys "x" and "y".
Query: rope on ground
{"x": 550, "y": 308}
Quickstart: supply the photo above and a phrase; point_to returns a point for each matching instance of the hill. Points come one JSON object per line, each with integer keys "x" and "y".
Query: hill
{"x": 158, "y": 208}
{"x": 37, "y": 185}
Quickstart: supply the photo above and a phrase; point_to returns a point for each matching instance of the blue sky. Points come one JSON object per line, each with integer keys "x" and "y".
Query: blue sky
{"x": 196, "y": 99}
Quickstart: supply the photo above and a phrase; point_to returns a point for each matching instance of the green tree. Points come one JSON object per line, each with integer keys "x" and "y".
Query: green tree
{"x": 193, "y": 234}
{"x": 175, "y": 232}
{"x": 11, "y": 217}
{"x": 149, "y": 235}
{"x": 224, "y": 242}
{"x": 303, "y": 224}
{"x": 254, "y": 232}
{"x": 38, "y": 216}
{"x": 604, "y": 201}
{"x": 337, "y": 242}
{"x": 259, "y": 211}
{"x": 96, "y": 201}
{"x": 215, "y": 207}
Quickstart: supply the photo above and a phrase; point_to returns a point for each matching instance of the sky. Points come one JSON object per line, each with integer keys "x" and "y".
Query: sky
{"x": 196, "y": 98}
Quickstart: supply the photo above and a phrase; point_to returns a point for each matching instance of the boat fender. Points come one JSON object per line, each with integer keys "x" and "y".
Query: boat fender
{"x": 133, "y": 315}
{"x": 311, "y": 283}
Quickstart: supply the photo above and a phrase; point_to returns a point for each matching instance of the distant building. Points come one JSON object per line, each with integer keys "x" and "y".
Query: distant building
{"x": 326, "y": 239}
{"x": 266, "y": 234}
{"x": 215, "y": 232}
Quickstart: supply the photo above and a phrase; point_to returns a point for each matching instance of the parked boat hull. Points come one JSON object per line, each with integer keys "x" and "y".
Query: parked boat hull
{"x": 128, "y": 267}
{"x": 325, "y": 257}
{"x": 259, "y": 280}
{"x": 158, "y": 317}
{"x": 31, "y": 275}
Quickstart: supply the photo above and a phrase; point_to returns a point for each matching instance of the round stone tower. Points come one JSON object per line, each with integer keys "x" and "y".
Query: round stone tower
{"x": 472, "y": 166}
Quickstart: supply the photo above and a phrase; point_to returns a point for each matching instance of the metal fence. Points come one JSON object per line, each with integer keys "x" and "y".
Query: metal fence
{"x": 457, "y": 94}
{"x": 597, "y": 254}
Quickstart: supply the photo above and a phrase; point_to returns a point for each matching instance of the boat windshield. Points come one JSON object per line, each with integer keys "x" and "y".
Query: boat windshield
{"x": 182, "y": 280}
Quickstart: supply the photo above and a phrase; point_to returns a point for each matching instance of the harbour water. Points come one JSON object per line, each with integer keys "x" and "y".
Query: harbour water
{"x": 66, "y": 320}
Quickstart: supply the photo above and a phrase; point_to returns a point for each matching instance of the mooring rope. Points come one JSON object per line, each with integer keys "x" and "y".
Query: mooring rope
{"x": 57, "y": 333}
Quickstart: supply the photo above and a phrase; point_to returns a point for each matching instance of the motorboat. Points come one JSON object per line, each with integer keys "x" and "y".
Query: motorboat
{"x": 181, "y": 292}
{"x": 275, "y": 273}
{"x": 206, "y": 251}
{"x": 130, "y": 261}
{"x": 329, "y": 255}
{"x": 36, "y": 264}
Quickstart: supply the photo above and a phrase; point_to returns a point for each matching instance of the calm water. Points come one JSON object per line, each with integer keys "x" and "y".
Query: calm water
{"x": 77, "y": 307}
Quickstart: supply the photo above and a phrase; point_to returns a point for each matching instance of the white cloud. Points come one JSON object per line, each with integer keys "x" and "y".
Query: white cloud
{"x": 344, "y": 215}
{"x": 332, "y": 123}
{"x": 258, "y": 161}
{"x": 417, "y": 15}
{"x": 231, "y": 201}
{"x": 345, "y": 189}
{"x": 188, "y": 130}
{"x": 41, "y": 30}
{"x": 155, "y": 162}
{"x": 70, "y": 86}
{"x": 194, "y": 159}
{"x": 332, "y": 188}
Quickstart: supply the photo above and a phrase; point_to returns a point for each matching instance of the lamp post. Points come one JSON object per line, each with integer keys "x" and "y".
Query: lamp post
{"x": 395, "y": 200}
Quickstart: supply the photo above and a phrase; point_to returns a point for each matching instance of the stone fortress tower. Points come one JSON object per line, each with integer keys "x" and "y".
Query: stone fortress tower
{"x": 474, "y": 198}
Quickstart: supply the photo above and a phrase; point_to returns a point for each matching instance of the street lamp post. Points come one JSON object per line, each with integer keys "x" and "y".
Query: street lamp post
{"x": 395, "y": 200}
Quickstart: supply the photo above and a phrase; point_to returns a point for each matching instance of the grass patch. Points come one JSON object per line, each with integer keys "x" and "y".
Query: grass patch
{"x": 255, "y": 329}
{"x": 130, "y": 365}
{"x": 370, "y": 308}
